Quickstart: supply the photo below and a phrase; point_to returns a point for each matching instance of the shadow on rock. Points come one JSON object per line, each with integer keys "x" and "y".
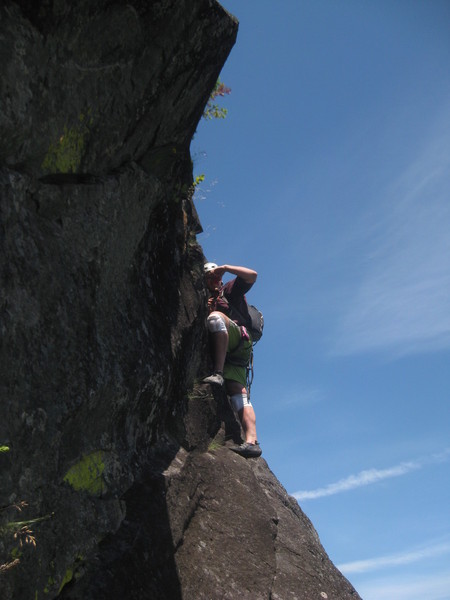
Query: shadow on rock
{"x": 137, "y": 562}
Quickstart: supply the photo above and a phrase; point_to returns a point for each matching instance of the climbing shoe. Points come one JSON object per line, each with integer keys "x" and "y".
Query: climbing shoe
{"x": 215, "y": 379}
{"x": 248, "y": 450}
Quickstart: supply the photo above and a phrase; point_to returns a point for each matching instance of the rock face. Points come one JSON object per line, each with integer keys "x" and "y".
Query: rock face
{"x": 131, "y": 491}
{"x": 204, "y": 523}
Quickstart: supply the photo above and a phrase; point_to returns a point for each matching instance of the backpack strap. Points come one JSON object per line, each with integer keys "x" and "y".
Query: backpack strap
{"x": 236, "y": 314}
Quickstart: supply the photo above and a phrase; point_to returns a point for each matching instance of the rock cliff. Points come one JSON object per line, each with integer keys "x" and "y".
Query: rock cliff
{"x": 120, "y": 457}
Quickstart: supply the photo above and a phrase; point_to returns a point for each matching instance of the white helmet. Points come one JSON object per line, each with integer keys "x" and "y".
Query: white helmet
{"x": 209, "y": 266}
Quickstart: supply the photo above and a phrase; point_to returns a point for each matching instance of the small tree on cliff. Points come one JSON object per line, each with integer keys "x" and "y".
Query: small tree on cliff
{"x": 213, "y": 110}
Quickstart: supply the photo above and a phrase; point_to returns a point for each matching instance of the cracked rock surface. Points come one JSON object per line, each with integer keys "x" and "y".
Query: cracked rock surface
{"x": 245, "y": 536}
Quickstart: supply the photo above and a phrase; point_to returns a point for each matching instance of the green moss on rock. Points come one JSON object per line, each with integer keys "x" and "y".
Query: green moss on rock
{"x": 87, "y": 474}
{"x": 65, "y": 155}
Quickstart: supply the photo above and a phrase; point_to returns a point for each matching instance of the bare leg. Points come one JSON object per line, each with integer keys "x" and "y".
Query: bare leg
{"x": 218, "y": 325}
{"x": 220, "y": 344}
{"x": 248, "y": 422}
{"x": 246, "y": 415}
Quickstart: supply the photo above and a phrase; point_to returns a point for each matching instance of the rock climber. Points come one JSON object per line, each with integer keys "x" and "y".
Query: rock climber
{"x": 228, "y": 323}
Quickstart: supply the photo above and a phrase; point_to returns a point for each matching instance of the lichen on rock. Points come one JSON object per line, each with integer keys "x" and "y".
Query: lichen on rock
{"x": 87, "y": 474}
{"x": 66, "y": 153}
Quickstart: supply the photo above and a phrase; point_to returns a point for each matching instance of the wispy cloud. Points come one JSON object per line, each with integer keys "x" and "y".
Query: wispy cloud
{"x": 402, "y": 301}
{"x": 370, "y": 476}
{"x": 296, "y": 397}
{"x": 410, "y": 587}
{"x": 393, "y": 560}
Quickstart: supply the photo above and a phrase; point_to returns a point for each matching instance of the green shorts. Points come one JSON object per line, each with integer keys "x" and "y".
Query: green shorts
{"x": 239, "y": 350}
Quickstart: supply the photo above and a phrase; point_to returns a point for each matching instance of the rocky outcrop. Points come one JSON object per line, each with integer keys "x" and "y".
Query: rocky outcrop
{"x": 131, "y": 491}
{"x": 204, "y": 523}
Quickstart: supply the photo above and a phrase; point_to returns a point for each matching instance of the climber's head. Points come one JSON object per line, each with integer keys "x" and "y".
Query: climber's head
{"x": 213, "y": 280}
{"x": 208, "y": 268}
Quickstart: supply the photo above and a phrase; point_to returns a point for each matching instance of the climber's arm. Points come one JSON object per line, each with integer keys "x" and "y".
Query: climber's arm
{"x": 248, "y": 275}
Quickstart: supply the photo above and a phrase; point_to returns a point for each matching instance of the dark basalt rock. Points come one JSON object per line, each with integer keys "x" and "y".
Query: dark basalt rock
{"x": 90, "y": 86}
{"x": 204, "y": 523}
{"x": 102, "y": 309}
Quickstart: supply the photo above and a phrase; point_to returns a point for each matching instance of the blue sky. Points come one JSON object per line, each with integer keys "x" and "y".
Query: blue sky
{"x": 331, "y": 177}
